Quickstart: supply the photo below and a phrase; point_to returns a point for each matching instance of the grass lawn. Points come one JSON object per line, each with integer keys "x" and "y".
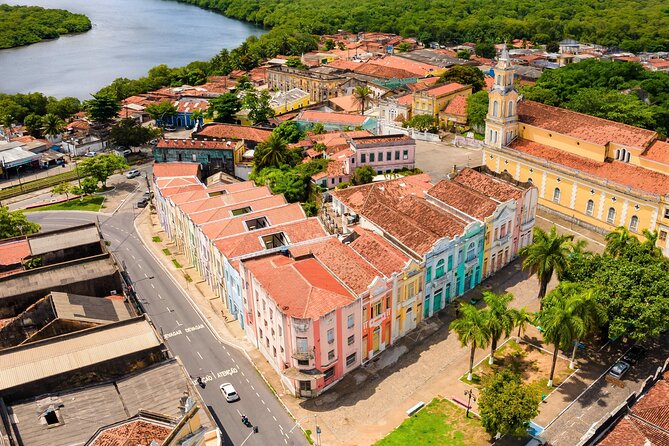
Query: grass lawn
{"x": 89, "y": 203}
{"x": 440, "y": 423}
{"x": 531, "y": 363}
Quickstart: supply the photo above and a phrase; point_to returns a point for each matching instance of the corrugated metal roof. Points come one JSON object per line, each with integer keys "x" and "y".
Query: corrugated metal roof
{"x": 57, "y": 240}
{"x": 39, "y": 360}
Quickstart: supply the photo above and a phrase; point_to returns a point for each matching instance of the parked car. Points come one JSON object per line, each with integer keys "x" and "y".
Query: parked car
{"x": 91, "y": 154}
{"x": 132, "y": 173}
{"x": 142, "y": 202}
{"x": 229, "y": 392}
{"x": 170, "y": 128}
{"x": 619, "y": 369}
{"x": 634, "y": 354}
{"x": 127, "y": 152}
{"x": 148, "y": 195}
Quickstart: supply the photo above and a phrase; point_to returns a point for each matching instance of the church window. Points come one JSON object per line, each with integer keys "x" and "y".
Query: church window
{"x": 634, "y": 223}
{"x": 611, "y": 216}
{"x": 590, "y": 207}
{"x": 627, "y": 157}
{"x": 556, "y": 195}
{"x": 510, "y": 113}
{"x": 495, "y": 109}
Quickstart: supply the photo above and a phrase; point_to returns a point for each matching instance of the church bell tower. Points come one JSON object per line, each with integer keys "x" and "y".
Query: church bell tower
{"x": 502, "y": 119}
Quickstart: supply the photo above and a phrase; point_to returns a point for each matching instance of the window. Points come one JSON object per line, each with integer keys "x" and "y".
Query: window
{"x": 495, "y": 109}
{"x": 280, "y": 332}
{"x": 302, "y": 345}
{"x": 329, "y": 373}
{"x": 440, "y": 269}
{"x": 389, "y": 156}
{"x": 194, "y": 158}
{"x": 411, "y": 290}
{"x": 241, "y": 211}
{"x": 350, "y": 360}
{"x": 380, "y": 156}
{"x": 304, "y": 362}
{"x": 556, "y": 195}
{"x": 666, "y": 213}
{"x": 330, "y": 335}
{"x": 363, "y": 157}
{"x": 274, "y": 240}
{"x": 405, "y": 154}
{"x": 634, "y": 223}
{"x": 663, "y": 235}
{"x": 351, "y": 321}
{"x": 351, "y": 339}
{"x": 611, "y": 216}
{"x": 450, "y": 263}
{"x": 471, "y": 252}
{"x": 330, "y": 355}
{"x": 371, "y": 157}
{"x": 256, "y": 223}
{"x": 428, "y": 274}
{"x": 332, "y": 181}
{"x": 397, "y": 155}
{"x": 376, "y": 309}
{"x": 274, "y": 351}
{"x": 510, "y": 113}
{"x": 590, "y": 207}
{"x": 51, "y": 417}
{"x": 305, "y": 385}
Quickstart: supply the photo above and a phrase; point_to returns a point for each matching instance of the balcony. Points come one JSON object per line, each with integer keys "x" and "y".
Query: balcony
{"x": 526, "y": 225}
{"x": 502, "y": 240}
{"x": 303, "y": 355}
{"x": 471, "y": 261}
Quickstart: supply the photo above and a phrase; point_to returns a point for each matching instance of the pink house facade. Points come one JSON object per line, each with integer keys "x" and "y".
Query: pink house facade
{"x": 384, "y": 153}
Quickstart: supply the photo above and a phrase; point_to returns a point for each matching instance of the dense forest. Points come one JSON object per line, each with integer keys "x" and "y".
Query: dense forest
{"x": 23, "y": 25}
{"x": 635, "y": 26}
{"x": 619, "y": 91}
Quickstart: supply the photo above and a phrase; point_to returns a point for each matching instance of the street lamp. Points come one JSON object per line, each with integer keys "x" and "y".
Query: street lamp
{"x": 318, "y": 428}
{"x": 470, "y": 394}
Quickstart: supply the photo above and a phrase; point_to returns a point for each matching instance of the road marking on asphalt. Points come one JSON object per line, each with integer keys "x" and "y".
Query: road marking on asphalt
{"x": 228, "y": 353}
{"x": 179, "y": 324}
{"x": 169, "y": 311}
{"x": 263, "y": 401}
{"x": 160, "y": 297}
{"x": 285, "y": 441}
{"x": 198, "y": 353}
{"x": 257, "y": 394}
{"x": 281, "y": 427}
{"x": 153, "y": 286}
{"x": 274, "y": 418}
{"x": 240, "y": 414}
{"x": 253, "y": 388}
{"x": 194, "y": 328}
{"x": 140, "y": 266}
{"x": 128, "y": 249}
{"x": 146, "y": 275}
{"x": 247, "y": 380}
{"x": 268, "y": 410}
{"x": 172, "y": 334}
{"x": 243, "y": 374}
{"x": 188, "y": 338}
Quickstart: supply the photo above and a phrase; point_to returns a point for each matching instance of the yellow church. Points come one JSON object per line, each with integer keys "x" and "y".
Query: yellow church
{"x": 600, "y": 174}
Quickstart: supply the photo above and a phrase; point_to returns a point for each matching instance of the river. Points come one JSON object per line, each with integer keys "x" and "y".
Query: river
{"x": 127, "y": 39}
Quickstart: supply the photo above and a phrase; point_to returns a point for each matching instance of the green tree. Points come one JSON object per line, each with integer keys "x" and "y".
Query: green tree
{"x": 103, "y": 108}
{"x": 463, "y": 54}
{"x": 161, "y": 110}
{"x": 52, "y": 125}
{"x": 197, "y": 116}
{"x": 423, "y": 123}
{"x": 328, "y": 45}
{"x": 62, "y": 189}
{"x": 521, "y": 319}
{"x": 295, "y": 62}
{"x": 363, "y": 175}
{"x": 506, "y": 405}
{"x": 259, "y": 107}
{"x": 64, "y": 108}
{"x": 310, "y": 209}
{"x": 88, "y": 185}
{"x": 613, "y": 105}
{"x": 477, "y": 110}
{"x": 289, "y": 132}
{"x": 271, "y": 153}
{"x": 33, "y": 124}
{"x": 318, "y": 128}
{"x": 618, "y": 240}
{"x": 403, "y": 47}
{"x": 552, "y": 47}
{"x": 130, "y": 133}
{"x": 485, "y": 49}
{"x": 15, "y": 223}
{"x": 472, "y": 330}
{"x": 466, "y": 75}
{"x": 499, "y": 318}
{"x": 362, "y": 94}
{"x": 101, "y": 167}
{"x": 562, "y": 324}
{"x": 225, "y": 107}
{"x": 548, "y": 253}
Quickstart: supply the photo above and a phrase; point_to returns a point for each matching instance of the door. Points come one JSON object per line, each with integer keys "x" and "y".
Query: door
{"x": 376, "y": 339}
{"x": 436, "y": 305}
{"x": 426, "y": 310}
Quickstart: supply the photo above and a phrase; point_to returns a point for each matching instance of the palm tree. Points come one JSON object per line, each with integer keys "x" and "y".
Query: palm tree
{"x": 196, "y": 116}
{"x": 7, "y": 120}
{"x": 650, "y": 243}
{"x": 272, "y": 152}
{"x": 499, "y": 318}
{"x": 472, "y": 330}
{"x": 521, "y": 318}
{"x": 617, "y": 240}
{"x": 362, "y": 93}
{"x": 547, "y": 254}
{"x": 562, "y": 325}
{"x": 52, "y": 125}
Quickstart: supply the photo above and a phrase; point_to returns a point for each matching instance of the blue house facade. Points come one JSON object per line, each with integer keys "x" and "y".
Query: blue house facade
{"x": 184, "y": 116}
{"x": 213, "y": 156}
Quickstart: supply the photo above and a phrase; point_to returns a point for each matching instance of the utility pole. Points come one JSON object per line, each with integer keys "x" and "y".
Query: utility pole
{"x": 470, "y": 394}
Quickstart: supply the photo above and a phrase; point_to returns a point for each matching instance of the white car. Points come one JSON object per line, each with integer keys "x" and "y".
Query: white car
{"x": 132, "y": 173}
{"x": 229, "y": 392}
{"x": 91, "y": 154}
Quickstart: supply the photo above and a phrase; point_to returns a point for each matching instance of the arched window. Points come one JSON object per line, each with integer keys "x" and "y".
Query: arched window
{"x": 634, "y": 223}
{"x": 627, "y": 157}
{"x": 471, "y": 252}
{"x": 611, "y": 216}
{"x": 495, "y": 108}
{"x": 590, "y": 207}
{"x": 440, "y": 269}
{"x": 510, "y": 112}
{"x": 617, "y": 154}
{"x": 499, "y": 80}
{"x": 556, "y": 195}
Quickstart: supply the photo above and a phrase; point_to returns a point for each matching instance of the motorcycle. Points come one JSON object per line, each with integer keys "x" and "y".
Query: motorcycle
{"x": 200, "y": 382}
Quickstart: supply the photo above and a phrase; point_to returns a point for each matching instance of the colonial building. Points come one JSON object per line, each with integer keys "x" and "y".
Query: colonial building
{"x": 384, "y": 153}
{"x": 321, "y": 85}
{"x": 213, "y": 156}
{"x": 596, "y": 173}
{"x": 433, "y": 100}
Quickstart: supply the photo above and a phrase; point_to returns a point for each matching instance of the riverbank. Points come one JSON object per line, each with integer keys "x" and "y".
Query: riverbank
{"x": 26, "y": 25}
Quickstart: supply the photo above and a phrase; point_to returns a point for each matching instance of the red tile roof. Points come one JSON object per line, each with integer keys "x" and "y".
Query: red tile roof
{"x": 226, "y": 211}
{"x": 581, "y": 126}
{"x": 346, "y": 264}
{"x": 658, "y": 151}
{"x": 445, "y": 89}
{"x": 248, "y": 243}
{"x": 384, "y": 72}
{"x": 176, "y": 169}
{"x": 417, "y": 68}
{"x": 335, "y": 169}
{"x": 13, "y": 251}
{"x": 179, "y": 190}
{"x": 132, "y": 433}
{"x": 230, "y": 131}
{"x": 176, "y": 182}
{"x": 457, "y": 106}
{"x": 190, "y": 106}
{"x": 235, "y": 225}
{"x": 377, "y": 139}
{"x": 303, "y": 288}
{"x": 490, "y": 186}
{"x": 616, "y": 171}
{"x": 337, "y": 141}
{"x": 464, "y": 199}
{"x": 347, "y": 103}
{"x": 393, "y": 190}
{"x": 215, "y": 202}
{"x": 379, "y": 252}
{"x": 194, "y": 144}
{"x": 332, "y": 118}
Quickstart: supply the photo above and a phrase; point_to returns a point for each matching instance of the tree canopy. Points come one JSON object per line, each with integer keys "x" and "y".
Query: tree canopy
{"x": 23, "y": 25}
{"x": 258, "y": 105}
{"x": 477, "y": 110}
{"x": 224, "y": 108}
{"x": 15, "y": 223}
{"x": 103, "y": 108}
{"x": 129, "y": 133}
{"x": 289, "y": 132}
{"x": 466, "y": 75}
{"x": 101, "y": 167}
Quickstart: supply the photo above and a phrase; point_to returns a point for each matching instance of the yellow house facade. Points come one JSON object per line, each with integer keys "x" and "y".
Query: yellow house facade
{"x": 293, "y": 99}
{"x": 408, "y": 299}
{"x": 432, "y": 101}
{"x": 320, "y": 85}
{"x": 596, "y": 173}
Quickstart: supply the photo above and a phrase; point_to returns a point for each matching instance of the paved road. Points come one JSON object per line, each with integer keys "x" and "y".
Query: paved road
{"x": 188, "y": 336}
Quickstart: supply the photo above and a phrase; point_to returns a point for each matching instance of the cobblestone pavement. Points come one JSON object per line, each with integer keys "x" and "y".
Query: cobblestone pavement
{"x": 438, "y": 158}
